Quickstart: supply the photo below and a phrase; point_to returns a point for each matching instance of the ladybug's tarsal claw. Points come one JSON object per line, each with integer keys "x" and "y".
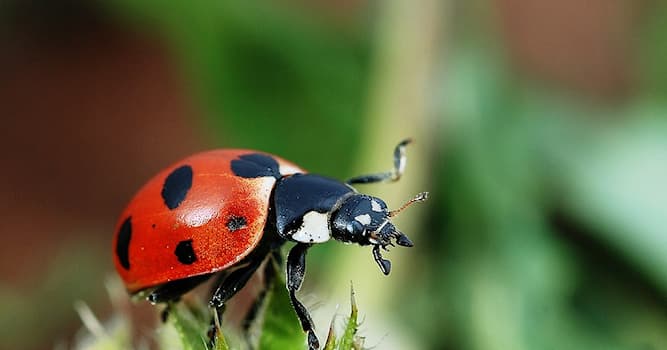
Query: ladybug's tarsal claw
{"x": 152, "y": 298}
{"x": 313, "y": 342}
{"x": 384, "y": 264}
{"x": 215, "y": 303}
{"x": 400, "y": 159}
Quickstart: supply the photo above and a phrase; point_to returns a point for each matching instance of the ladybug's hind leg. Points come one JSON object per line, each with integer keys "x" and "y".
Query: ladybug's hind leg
{"x": 172, "y": 291}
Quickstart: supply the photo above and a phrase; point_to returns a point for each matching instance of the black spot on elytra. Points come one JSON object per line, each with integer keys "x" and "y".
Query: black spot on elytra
{"x": 153, "y": 226}
{"x": 176, "y": 186}
{"x": 236, "y": 223}
{"x": 255, "y": 165}
{"x": 123, "y": 243}
{"x": 185, "y": 253}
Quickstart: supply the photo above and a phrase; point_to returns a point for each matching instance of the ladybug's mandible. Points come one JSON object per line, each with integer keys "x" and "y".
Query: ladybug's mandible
{"x": 224, "y": 212}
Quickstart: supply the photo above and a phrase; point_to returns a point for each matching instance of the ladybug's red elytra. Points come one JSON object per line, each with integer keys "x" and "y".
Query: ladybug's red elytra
{"x": 224, "y": 212}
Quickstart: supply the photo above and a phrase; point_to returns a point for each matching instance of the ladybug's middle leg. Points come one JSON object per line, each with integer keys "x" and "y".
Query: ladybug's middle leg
{"x": 296, "y": 270}
{"x": 229, "y": 286}
{"x": 234, "y": 282}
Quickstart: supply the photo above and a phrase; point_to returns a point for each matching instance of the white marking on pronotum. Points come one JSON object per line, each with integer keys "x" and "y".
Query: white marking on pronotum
{"x": 285, "y": 169}
{"x": 363, "y": 219}
{"x": 314, "y": 229}
{"x": 376, "y": 206}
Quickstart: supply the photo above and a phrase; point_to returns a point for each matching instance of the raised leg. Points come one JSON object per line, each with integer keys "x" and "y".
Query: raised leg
{"x": 393, "y": 175}
{"x": 296, "y": 270}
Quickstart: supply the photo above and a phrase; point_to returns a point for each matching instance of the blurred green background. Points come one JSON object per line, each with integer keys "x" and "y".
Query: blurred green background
{"x": 540, "y": 128}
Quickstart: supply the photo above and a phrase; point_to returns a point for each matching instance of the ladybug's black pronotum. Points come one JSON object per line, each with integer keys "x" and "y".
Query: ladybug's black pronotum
{"x": 224, "y": 212}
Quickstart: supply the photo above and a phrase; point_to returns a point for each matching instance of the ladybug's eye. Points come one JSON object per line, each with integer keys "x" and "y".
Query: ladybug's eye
{"x": 355, "y": 228}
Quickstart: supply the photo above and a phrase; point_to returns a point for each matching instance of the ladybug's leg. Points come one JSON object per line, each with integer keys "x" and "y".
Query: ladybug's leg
{"x": 228, "y": 287}
{"x": 296, "y": 269}
{"x": 233, "y": 283}
{"x": 172, "y": 291}
{"x": 393, "y": 175}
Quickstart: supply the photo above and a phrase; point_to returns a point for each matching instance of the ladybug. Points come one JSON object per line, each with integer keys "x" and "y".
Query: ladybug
{"x": 224, "y": 212}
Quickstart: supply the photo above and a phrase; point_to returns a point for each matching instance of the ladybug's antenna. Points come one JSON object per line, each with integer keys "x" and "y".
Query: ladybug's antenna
{"x": 420, "y": 197}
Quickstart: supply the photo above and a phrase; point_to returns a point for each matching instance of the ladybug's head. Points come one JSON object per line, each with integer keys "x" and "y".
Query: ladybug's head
{"x": 366, "y": 220}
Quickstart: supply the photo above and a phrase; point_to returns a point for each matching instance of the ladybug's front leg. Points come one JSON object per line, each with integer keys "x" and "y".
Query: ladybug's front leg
{"x": 296, "y": 270}
{"x": 392, "y": 175}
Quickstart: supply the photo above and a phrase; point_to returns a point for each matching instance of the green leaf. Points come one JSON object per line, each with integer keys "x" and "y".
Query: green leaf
{"x": 331, "y": 338}
{"x": 348, "y": 341}
{"x": 191, "y": 329}
{"x": 220, "y": 343}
